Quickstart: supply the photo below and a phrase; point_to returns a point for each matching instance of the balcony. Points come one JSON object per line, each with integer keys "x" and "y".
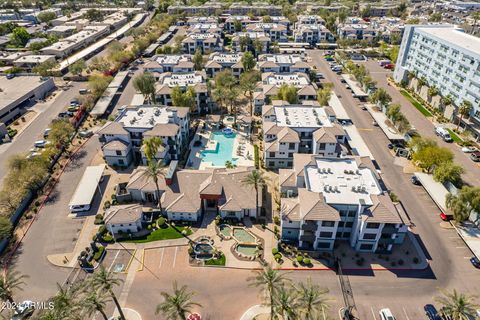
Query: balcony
{"x": 308, "y": 236}
{"x": 309, "y": 227}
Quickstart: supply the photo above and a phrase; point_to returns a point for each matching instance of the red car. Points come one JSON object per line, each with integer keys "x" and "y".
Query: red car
{"x": 445, "y": 217}
{"x": 389, "y": 66}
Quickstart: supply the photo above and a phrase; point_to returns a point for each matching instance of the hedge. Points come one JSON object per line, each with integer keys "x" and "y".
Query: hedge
{"x": 256, "y": 156}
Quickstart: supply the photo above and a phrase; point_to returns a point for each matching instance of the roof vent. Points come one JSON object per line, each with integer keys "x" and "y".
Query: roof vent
{"x": 325, "y": 188}
{"x": 354, "y": 189}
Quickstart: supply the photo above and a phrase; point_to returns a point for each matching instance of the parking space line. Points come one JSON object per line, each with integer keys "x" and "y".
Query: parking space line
{"x": 373, "y": 313}
{"x": 466, "y": 257}
{"x": 406, "y": 315}
{"x": 161, "y": 258}
{"x": 175, "y": 257}
{"x": 111, "y": 265}
{"x": 460, "y": 247}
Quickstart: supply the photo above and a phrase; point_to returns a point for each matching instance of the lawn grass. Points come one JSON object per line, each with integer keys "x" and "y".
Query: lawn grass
{"x": 162, "y": 234}
{"x": 216, "y": 262}
{"x": 454, "y": 136}
{"x": 416, "y": 104}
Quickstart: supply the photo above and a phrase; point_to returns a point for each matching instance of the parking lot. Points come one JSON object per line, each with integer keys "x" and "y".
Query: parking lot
{"x": 118, "y": 260}
{"x": 166, "y": 258}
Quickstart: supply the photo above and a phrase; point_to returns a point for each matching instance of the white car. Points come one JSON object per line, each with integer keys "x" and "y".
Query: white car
{"x": 469, "y": 149}
{"x": 386, "y": 314}
{"x": 41, "y": 143}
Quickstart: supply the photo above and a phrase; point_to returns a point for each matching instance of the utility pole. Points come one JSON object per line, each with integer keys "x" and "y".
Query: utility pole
{"x": 347, "y": 293}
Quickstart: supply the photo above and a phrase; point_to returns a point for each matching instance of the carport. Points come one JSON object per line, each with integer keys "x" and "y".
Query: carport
{"x": 83, "y": 196}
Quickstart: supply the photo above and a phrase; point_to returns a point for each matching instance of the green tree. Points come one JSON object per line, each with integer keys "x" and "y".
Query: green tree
{"x": 418, "y": 144}
{"x": 456, "y": 305}
{"x": 380, "y": 97}
{"x": 286, "y": 303}
{"x": 153, "y": 171}
{"x": 45, "y": 69}
{"x": 60, "y": 132}
{"x": 446, "y": 101}
{"x": 421, "y": 82}
{"x": 270, "y": 282}
{"x": 198, "y": 60}
{"x": 393, "y": 112}
{"x": 229, "y": 164}
{"x": 248, "y": 61}
{"x": 46, "y": 16}
{"x": 19, "y": 37}
{"x": 98, "y": 84}
{"x": 323, "y": 96}
{"x": 10, "y": 281}
{"x": 432, "y": 91}
{"x": 431, "y": 157}
{"x": 448, "y": 171}
{"x": 181, "y": 98}
{"x": 464, "y": 111}
{"x": 106, "y": 281}
{"x": 435, "y": 17}
{"x": 287, "y": 93}
{"x": 95, "y": 302}
{"x": 93, "y": 15}
{"x": 65, "y": 304}
{"x": 256, "y": 180}
{"x": 150, "y": 147}
{"x": 5, "y": 228}
{"x": 77, "y": 67}
{"x": 248, "y": 83}
{"x": 312, "y": 300}
{"x": 10, "y": 196}
{"x": 177, "y": 305}
{"x": 464, "y": 203}
{"x": 145, "y": 84}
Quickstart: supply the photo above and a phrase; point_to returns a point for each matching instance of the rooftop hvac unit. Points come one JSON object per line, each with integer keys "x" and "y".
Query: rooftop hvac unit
{"x": 359, "y": 188}
{"x": 336, "y": 188}
{"x": 330, "y": 170}
{"x": 325, "y": 187}
{"x": 364, "y": 188}
{"x": 354, "y": 189}
{"x": 358, "y": 171}
{"x": 331, "y": 188}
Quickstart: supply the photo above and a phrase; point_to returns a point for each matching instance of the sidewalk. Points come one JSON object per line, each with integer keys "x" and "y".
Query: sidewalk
{"x": 471, "y": 235}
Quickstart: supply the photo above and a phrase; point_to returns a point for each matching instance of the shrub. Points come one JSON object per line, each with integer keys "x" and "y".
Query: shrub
{"x": 107, "y": 204}
{"x": 99, "y": 253}
{"x": 274, "y": 251}
{"x": 307, "y": 261}
{"x": 99, "y": 216}
{"x": 161, "y": 221}
{"x": 102, "y": 230}
{"x": 256, "y": 156}
{"x": 149, "y": 227}
{"x": 278, "y": 256}
{"x": 276, "y": 220}
{"x": 37, "y": 203}
{"x": 107, "y": 238}
{"x": 300, "y": 258}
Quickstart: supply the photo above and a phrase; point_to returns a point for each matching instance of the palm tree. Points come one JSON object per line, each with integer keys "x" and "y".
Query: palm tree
{"x": 65, "y": 303}
{"x": 286, "y": 303}
{"x": 177, "y": 305}
{"x": 464, "y": 111}
{"x": 269, "y": 281}
{"x": 421, "y": 82}
{"x": 105, "y": 281}
{"x": 258, "y": 181}
{"x": 9, "y": 282}
{"x": 457, "y": 306}
{"x": 150, "y": 147}
{"x": 447, "y": 100}
{"x": 229, "y": 164}
{"x": 312, "y": 300}
{"x": 94, "y": 302}
{"x": 432, "y": 91}
{"x": 152, "y": 171}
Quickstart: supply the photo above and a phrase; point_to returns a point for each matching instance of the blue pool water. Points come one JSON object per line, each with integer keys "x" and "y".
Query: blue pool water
{"x": 224, "y": 150}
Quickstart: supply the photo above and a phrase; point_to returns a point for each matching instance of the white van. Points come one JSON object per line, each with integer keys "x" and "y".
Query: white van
{"x": 443, "y": 133}
{"x": 386, "y": 314}
{"x": 384, "y": 62}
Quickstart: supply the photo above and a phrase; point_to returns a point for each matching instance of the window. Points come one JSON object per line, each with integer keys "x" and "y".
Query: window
{"x": 366, "y": 246}
{"x": 118, "y": 152}
{"x": 121, "y": 162}
{"x": 343, "y": 213}
{"x": 328, "y": 223}
{"x": 322, "y": 146}
{"x": 323, "y": 245}
{"x": 291, "y": 146}
{"x": 341, "y": 224}
{"x": 349, "y": 224}
{"x": 369, "y": 236}
{"x": 290, "y": 163}
{"x": 271, "y": 164}
{"x": 271, "y": 154}
{"x": 325, "y": 234}
{"x": 373, "y": 225}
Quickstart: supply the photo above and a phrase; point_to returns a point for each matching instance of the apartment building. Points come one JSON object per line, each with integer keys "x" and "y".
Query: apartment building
{"x": 327, "y": 200}
{"x": 278, "y": 63}
{"x": 271, "y": 82}
{"x": 206, "y": 42}
{"x": 176, "y": 63}
{"x": 447, "y": 58}
{"x": 300, "y": 128}
{"x": 122, "y": 139}
{"x": 191, "y": 21}
{"x": 247, "y": 41}
{"x": 314, "y": 7}
{"x": 210, "y": 28}
{"x": 355, "y": 28}
{"x": 237, "y": 23}
{"x": 312, "y": 34}
{"x": 276, "y": 32}
{"x": 208, "y": 8}
{"x": 197, "y": 80}
{"x": 188, "y": 194}
{"x": 76, "y": 41}
{"x": 255, "y": 8}
{"x": 219, "y": 61}
{"x": 309, "y": 20}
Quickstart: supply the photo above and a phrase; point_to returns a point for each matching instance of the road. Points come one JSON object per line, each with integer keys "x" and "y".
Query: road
{"x": 449, "y": 265}
{"x": 422, "y": 124}
{"x": 46, "y": 113}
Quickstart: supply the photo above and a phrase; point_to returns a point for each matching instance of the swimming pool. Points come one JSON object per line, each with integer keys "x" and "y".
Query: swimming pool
{"x": 223, "y": 152}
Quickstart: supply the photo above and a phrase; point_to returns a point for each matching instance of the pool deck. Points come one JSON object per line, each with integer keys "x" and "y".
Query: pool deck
{"x": 244, "y": 159}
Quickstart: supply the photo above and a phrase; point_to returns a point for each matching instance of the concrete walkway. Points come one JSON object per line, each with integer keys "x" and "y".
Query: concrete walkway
{"x": 254, "y": 311}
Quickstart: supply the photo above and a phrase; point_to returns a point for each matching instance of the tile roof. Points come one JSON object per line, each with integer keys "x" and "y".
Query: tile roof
{"x": 314, "y": 207}
{"x": 128, "y": 213}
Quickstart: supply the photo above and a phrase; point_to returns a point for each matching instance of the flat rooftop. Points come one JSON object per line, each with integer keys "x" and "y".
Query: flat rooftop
{"x": 227, "y": 57}
{"x": 202, "y": 36}
{"x": 251, "y": 34}
{"x": 294, "y": 79}
{"x": 144, "y": 117}
{"x": 283, "y": 58}
{"x": 171, "y": 59}
{"x": 301, "y": 116}
{"x": 341, "y": 181}
{"x": 182, "y": 79}
{"x": 453, "y": 36}
{"x": 16, "y": 88}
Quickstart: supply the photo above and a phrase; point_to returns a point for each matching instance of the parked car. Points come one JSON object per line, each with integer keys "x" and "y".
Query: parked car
{"x": 83, "y": 91}
{"x": 414, "y": 180}
{"x": 85, "y": 133}
{"x": 443, "y": 133}
{"x": 374, "y": 123}
{"x": 446, "y": 217}
{"x": 74, "y": 103}
{"x": 389, "y": 66}
{"x": 10, "y": 76}
{"x": 386, "y": 314}
{"x": 475, "y": 156}
{"x": 431, "y": 312}
{"x": 24, "y": 310}
{"x": 41, "y": 143}
{"x": 475, "y": 262}
{"x": 73, "y": 108}
{"x": 46, "y": 132}
{"x": 469, "y": 149}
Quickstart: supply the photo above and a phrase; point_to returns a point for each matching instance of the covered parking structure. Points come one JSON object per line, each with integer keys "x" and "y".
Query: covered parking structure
{"x": 83, "y": 197}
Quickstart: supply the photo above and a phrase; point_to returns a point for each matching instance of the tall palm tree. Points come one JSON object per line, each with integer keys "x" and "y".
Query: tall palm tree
{"x": 421, "y": 82}
{"x": 95, "y": 301}
{"x": 447, "y": 100}
{"x": 9, "y": 282}
{"x": 177, "y": 305}
{"x": 150, "y": 147}
{"x": 432, "y": 91}
{"x": 312, "y": 300}
{"x": 152, "y": 171}
{"x": 286, "y": 303}
{"x": 464, "y": 111}
{"x": 105, "y": 281}
{"x": 258, "y": 181}
{"x": 65, "y": 304}
{"x": 269, "y": 281}
{"x": 457, "y": 305}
